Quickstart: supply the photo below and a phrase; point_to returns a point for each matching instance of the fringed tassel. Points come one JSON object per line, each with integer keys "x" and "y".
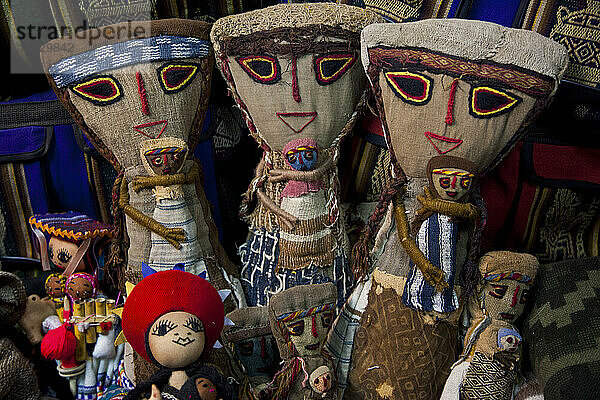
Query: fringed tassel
{"x": 469, "y": 277}
{"x": 360, "y": 251}
{"x": 283, "y": 381}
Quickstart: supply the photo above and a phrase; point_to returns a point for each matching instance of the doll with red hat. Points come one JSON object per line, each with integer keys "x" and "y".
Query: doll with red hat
{"x": 172, "y": 318}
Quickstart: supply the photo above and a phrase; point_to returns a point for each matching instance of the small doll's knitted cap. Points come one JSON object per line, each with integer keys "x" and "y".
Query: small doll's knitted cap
{"x": 168, "y": 291}
{"x": 12, "y": 299}
{"x": 498, "y": 265}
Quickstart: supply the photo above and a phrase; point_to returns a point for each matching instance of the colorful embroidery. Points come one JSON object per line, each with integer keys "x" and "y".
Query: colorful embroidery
{"x": 142, "y": 92}
{"x": 487, "y": 102}
{"x": 455, "y": 142}
{"x": 410, "y": 87}
{"x": 262, "y": 69}
{"x": 526, "y": 81}
{"x": 138, "y": 51}
{"x": 452, "y": 172}
{"x": 71, "y": 225}
{"x": 515, "y": 276}
{"x": 175, "y": 77}
{"x": 164, "y": 150}
{"x": 329, "y": 68}
{"x": 102, "y": 90}
{"x": 152, "y": 133}
{"x": 304, "y": 313}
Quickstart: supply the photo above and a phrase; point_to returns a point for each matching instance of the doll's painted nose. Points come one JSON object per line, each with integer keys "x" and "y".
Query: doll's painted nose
{"x": 313, "y": 328}
{"x": 142, "y": 92}
{"x": 295, "y": 88}
{"x": 453, "y": 184}
{"x": 515, "y": 298}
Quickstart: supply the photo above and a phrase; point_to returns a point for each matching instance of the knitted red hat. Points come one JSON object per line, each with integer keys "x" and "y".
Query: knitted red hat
{"x": 167, "y": 291}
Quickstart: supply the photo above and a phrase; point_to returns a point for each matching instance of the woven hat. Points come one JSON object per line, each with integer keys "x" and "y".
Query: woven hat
{"x": 12, "y": 299}
{"x": 498, "y": 265}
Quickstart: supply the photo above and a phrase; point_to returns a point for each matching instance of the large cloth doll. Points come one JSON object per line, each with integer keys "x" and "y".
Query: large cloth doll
{"x": 129, "y": 83}
{"x": 126, "y": 84}
{"x": 295, "y": 73}
{"x": 443, "y": 87}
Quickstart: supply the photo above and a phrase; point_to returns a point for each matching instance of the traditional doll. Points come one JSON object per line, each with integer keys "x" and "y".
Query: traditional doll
{"x": 437, "y": 234}
{"x": 81, "y": 286}
{"x": 442, "y": 87}
{"x": 253, "y": 347}
{"x": 294, "y": 72}
{"x": 172, "y": 318}
{"x": 489, "y": 363}
{"x": 207, "y": 384}
{"x": 55, "y": 287}
{"x": 75, "y": 244}
{"x": 300, "y": 320}
{"x": 165, "y": 157}
{"x": 130, "y": 82}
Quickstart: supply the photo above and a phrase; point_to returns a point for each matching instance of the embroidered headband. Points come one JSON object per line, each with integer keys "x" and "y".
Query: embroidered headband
{"x": 304, "y": 313}
{"x": 515, "y": 276}
{"x": 111, "y": 56}
{"x": 450, "y": 172}
{"x": 165, "y": 150}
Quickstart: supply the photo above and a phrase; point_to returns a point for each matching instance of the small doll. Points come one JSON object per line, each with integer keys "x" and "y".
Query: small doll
{"x": 300, "y": 320}
{"x": 75, "y": 243}
{"x": 55, "y": 287}
{"x": 252, "y": 345}
{"x": 207, "y": 384}
{"x": 436, "y": 232}
{"x": 81, "y": 286}
{"x": 171, "y": 318}
{"x": 488, "y": 365}
{"x": 163, "y": 157}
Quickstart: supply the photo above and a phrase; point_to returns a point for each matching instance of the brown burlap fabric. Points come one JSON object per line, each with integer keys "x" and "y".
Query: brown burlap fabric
{"x": 17, "y": 379}
{"x": 12, "y": 299}
{"x": 398, "y": 353}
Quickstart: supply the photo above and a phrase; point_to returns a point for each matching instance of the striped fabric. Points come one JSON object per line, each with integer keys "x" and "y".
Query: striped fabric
{"x": 111, "y": 56}
{"x": 437, "y": 240}
{"x": 304, "y": 313}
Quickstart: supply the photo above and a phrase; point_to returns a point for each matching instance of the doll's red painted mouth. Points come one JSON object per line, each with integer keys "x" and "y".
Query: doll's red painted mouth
{"x": 451, "y": 193}
{"x": 314, "y": 346}
{"x": 297, "y": 121}
{"x": 183, "y": 341}
{"x": 507, "y": 316}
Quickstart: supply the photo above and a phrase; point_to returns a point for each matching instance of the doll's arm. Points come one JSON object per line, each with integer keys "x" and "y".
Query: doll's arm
{"x": 286, "y": 218}
{"x": 283, "y": 175}
{"x": 172, "y": 235}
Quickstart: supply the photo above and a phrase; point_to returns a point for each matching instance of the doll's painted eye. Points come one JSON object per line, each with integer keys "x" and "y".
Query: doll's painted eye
{"x": 330, "y": 67}
{"x": 163, "y": 327}
{"x": 262, "y": 69}
{"x": 524, "y": 296}
{"x": 175, "y": 77}
{"x": 308, "y": 154}
{"x": 246, "y": 348}
{"x": 410, "y": 87}
{"x": 487, "y": 102}
{"x": 465, "y": 183}
{"x": 157, "y": 161}
{"x": 296, "y": 329}
{"x": 101, "y": 90}
{"x": 292, "y": 158}
{"x": 63, "y": 256}
{"x": 326, "y": 320}
{"x": 499, "y": 291}
{"x": 445, "y": 182}
{"x": 194, "y": 324}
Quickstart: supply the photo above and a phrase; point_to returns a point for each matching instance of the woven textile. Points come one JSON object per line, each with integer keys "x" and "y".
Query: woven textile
{"x": 17, "y": 378}
{"x": 562, "y": 330}
{"x": 486, "y": 379}
{"x": 70, "y": 225}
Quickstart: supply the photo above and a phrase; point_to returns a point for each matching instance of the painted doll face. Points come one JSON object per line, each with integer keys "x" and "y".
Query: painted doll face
{"x": 206, "y": 389}
{"x": 302, "y": 158}
{"x": 55, "y": 286}
{"x": 451, "y": 183}
{"x": 258, "y": 355}
{"x": 80, "y": 288}
{"x": 61, "y": 251}
{"x": 176, "y": 339}
{"x": 505, "y": 299}
{"x": 167, "y": 163}
{"x": 322, "y": 383}
{"x": 308, "y": 334}
{"x": 114, "y": 107}
{"x": 292, "y": 96}
{"x": 509, "y": 340}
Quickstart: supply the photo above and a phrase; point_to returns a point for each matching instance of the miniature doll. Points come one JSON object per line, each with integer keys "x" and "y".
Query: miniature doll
{"x": 207, "y": 384}
{"x": 172, "y": 318}
{"x": 81, "y": 286}
{"x": 300, "y": 89}
{"x": 163, "y": 157}
{"x": 252, "y": 346}
{"x": 55, "y": 287}
{"x": 300, "y": 320}
{"x": 488, "y": 365}
{"x": 450, "y": 180}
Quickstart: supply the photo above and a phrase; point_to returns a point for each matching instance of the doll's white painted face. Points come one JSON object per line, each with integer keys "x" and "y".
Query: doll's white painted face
{"x": 176, "y": 339}
{"x": 308, "y": 334}
{"x": 61, "y": 251}
{"x": 451, "y": 183}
